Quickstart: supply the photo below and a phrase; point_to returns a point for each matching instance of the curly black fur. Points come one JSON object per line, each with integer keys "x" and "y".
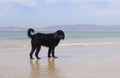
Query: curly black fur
{"x": 50, "y": 40}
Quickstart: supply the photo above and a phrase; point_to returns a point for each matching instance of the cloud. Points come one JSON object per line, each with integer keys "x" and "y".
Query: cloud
{"x": 108, "y": 8}
{"x": 71, "y": 1}
{"x": 80, "y": 1}
{"x": 49, "y": 2}
{"x": 111, "y": 11}
{"x": 7, "y": 10}
{"x": 29, "y": 3}
{"x": 95, "y": 7}
{"x": 9, "y": 7}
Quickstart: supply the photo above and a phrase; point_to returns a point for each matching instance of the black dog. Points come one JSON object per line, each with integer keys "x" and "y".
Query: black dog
{"x": 49, "y": 40}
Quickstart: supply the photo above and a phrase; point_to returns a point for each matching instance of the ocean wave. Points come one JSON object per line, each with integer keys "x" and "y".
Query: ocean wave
{"x": 64, "y": 44}
{"x": 91, "y": 44}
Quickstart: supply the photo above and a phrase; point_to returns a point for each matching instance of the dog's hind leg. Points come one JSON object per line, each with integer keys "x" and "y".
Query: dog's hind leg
{"x": 37, "y": 52}
{"x": 31, "y": 53}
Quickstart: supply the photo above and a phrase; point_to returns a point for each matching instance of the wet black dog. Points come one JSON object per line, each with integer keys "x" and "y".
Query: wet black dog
{"x": 50, "y": 40}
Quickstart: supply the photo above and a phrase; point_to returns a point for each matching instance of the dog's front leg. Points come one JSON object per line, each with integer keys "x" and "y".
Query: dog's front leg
{"x": 49, "y": 52}
{"x": 53, "y": 53}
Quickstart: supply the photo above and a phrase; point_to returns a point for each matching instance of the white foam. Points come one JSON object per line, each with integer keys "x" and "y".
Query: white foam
{"x": 85, "y": 44}
{"x": 90, "y": 44}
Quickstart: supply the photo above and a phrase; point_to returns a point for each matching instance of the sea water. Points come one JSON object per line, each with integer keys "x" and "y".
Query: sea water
{"x": 19, "y": 39}
{"x": 93, "y": 38}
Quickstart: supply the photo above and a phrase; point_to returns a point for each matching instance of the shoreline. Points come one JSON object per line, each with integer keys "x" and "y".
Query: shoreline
{"x": 74, "y": 44}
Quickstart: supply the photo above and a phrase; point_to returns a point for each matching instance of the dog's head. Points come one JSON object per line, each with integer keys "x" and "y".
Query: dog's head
{"x": 59, "y": 34}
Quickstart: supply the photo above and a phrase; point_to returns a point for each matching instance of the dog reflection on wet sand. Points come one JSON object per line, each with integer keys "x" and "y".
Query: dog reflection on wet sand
{"x": 43, "y": 71}
{"x": 35, "y": 69}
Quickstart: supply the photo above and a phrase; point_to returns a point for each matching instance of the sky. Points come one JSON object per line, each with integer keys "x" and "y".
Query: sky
{"x": 41, "y": 13}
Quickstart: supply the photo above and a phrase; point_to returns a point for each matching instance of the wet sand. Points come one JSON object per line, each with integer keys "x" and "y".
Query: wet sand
{"x": 72, "y": 62}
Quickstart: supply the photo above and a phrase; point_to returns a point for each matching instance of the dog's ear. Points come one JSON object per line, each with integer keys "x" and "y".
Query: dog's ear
{"x": 59, "y": 34}
{"x": 55, "y": 35}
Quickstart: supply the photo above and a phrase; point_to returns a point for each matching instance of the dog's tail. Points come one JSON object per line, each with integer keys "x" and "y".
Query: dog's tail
{"x": 30, "y": 30}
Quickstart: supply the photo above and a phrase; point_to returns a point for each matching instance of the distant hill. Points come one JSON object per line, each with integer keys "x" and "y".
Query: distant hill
{"x": 84, "y": 28}
{"x": 76, "y": 28}
{"x": 12, "y": 28}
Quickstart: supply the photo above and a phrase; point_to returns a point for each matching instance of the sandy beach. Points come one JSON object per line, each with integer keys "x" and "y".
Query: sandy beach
{"x": 72, "y": 62}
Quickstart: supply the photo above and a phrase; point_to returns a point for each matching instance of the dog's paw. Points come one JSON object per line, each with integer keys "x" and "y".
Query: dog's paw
{"x": 38, "y": 58}
{"x": 55, "y": 57}
{"x": 31, "y": 58}
{"x": 49, "y": 56}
